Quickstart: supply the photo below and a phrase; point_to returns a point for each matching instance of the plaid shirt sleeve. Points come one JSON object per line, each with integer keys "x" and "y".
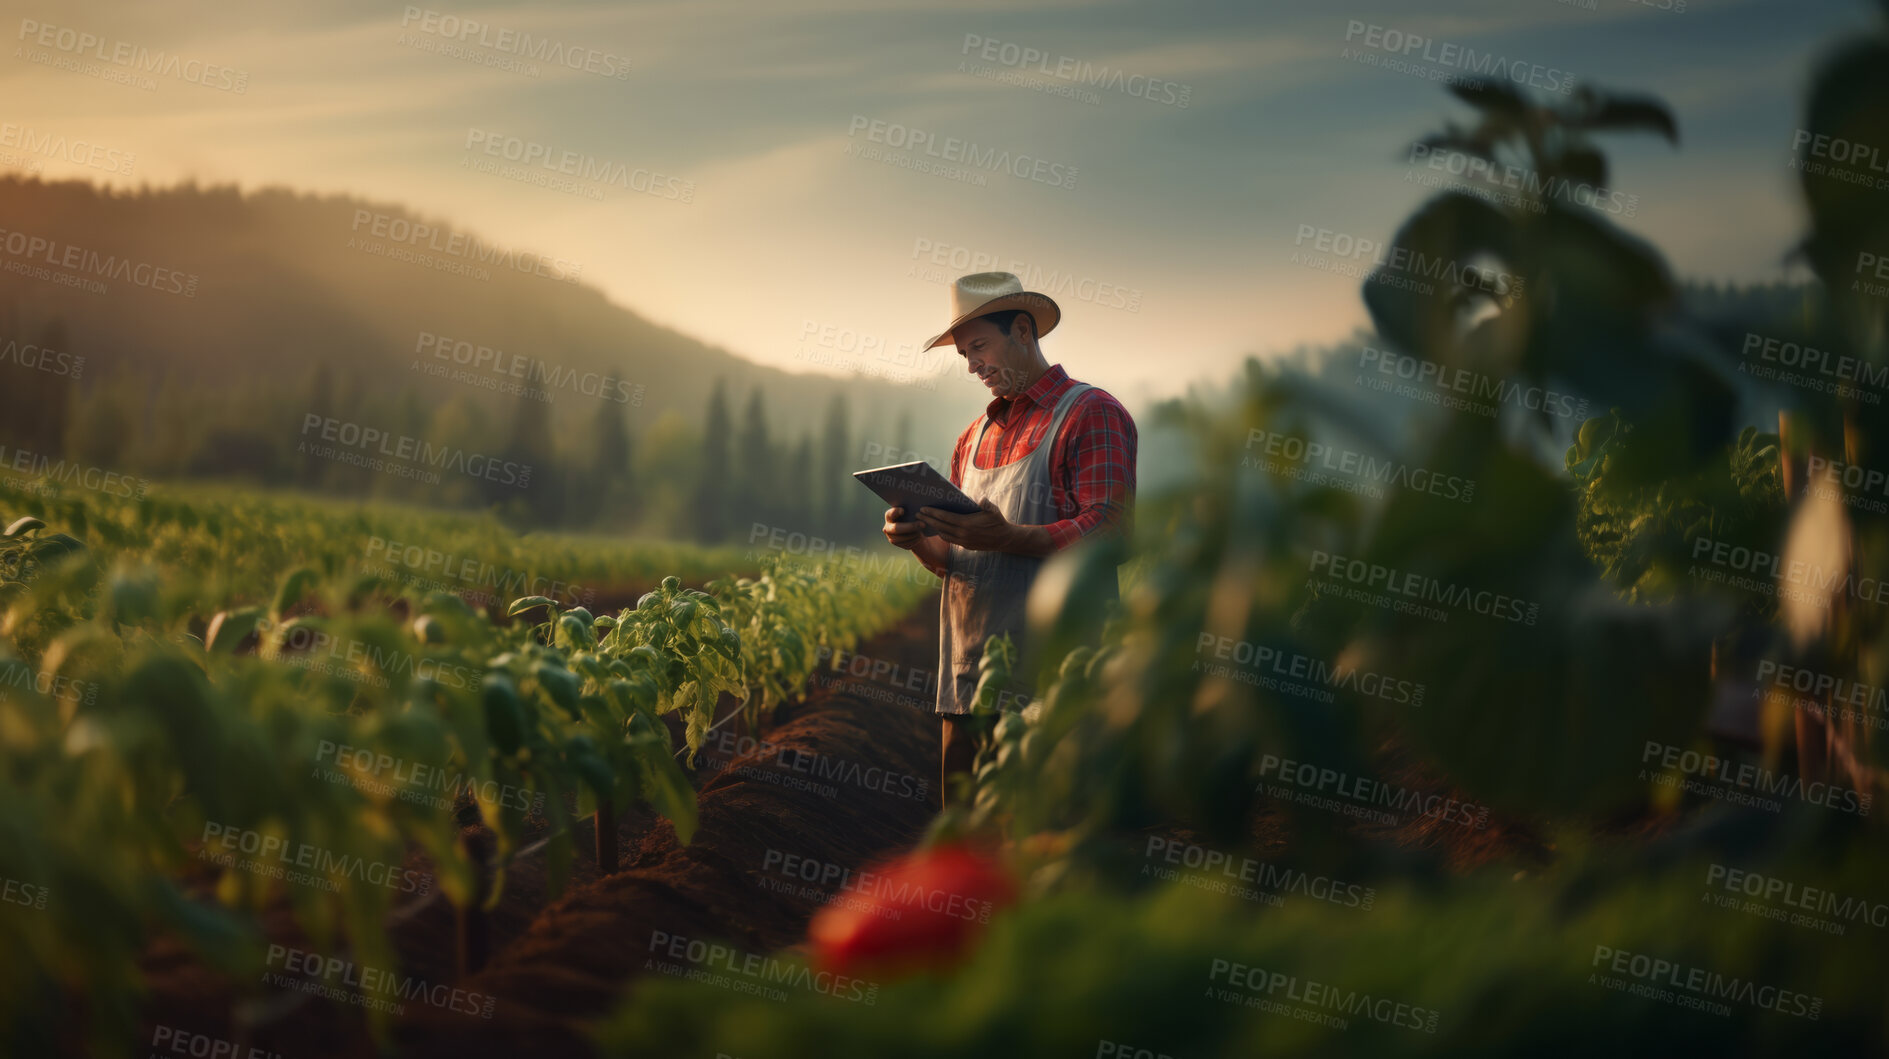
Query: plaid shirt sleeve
{"x": 1097, "y": 468}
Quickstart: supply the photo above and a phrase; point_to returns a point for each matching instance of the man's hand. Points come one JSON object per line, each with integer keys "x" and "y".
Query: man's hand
{"x": 902, "y": 534}
{"x": 986, "y": 531}
{"x": 933, "y": 552}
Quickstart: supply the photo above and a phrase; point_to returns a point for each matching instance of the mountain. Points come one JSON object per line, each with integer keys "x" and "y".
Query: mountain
{"x": 218, "y": 288}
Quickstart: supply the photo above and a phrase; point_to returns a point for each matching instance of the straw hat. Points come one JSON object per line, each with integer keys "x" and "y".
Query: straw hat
{"x": 983, "y": 293}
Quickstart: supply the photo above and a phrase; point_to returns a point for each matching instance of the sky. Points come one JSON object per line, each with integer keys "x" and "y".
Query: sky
{"x": 798, "y": 182}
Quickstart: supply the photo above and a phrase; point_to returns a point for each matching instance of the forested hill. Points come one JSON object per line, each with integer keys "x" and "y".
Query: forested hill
{"x": 196, "y": 333}
{"x": 215, "y": 287}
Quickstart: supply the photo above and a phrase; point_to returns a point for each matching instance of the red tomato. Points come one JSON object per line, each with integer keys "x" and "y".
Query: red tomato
{"x": 922, "y": 910}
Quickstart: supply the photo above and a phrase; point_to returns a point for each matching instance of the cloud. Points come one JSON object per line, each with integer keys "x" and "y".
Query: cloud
{"x": 1193, "y": 207}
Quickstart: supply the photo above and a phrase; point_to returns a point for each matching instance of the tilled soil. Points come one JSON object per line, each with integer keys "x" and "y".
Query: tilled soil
{"x": 810, "y": 802}
{"x": 842, "y": 778}
{"x": 836, "y": 781}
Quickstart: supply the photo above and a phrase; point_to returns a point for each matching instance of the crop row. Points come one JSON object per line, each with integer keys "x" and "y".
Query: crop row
{"x": 174, "y": 769}
{"x": 234, "y": 545}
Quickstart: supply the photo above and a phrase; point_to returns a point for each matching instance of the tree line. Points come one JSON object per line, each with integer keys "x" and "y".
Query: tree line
{"x": 571, "y": 464}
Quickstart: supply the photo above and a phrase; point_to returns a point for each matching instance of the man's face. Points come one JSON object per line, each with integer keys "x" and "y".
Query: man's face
{"x": 999, "y": 359}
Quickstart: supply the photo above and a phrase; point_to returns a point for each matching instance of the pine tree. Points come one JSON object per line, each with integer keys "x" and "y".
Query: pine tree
{"x": 460, "y": 424}
{"x": 407, "y": 417}
{"x": 607, "y": 493}
{"x": 173, "y": 433}
{"x": 755, "y": 471}
{"x": 103, "y": 420}
{"x": 321, "y": 403}
{"x": 836, "y": 484}
{"x": 902, "y": 440}
{"x": 534, "y": 488}
{"x": 15, "y": 397}
{"x": 46, "y": 394}
{"x": 711, "y": 496}
{"x": 797, "y": 485}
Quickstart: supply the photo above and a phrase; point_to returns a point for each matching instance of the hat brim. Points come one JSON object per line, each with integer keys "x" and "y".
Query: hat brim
{"x": 1040, "y": 307}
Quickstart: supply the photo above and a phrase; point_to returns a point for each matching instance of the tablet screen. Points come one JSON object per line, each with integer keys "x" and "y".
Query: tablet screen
{"x": 915, "y": 485}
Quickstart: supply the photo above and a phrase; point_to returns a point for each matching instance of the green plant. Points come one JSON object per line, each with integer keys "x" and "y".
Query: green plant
{"x": 152, "y": 714}
{"x": 1641, "y": 526}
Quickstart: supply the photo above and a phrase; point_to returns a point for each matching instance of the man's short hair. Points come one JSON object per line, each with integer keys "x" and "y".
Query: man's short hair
{"x": 1004, "y": 319}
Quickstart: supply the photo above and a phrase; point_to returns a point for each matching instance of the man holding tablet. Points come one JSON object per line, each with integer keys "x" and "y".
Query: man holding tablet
{"x": 1050, "y": 462}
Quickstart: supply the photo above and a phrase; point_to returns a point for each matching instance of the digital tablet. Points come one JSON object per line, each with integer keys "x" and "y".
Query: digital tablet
{"x": 915, "y": 485}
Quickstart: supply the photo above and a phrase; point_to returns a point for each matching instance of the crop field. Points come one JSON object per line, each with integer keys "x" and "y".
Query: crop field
{"x": 410, "y": 651}
{"x": 328, "y": 740}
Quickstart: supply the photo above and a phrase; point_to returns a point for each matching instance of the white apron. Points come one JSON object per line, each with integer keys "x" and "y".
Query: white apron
{"x": 985, "y": 592}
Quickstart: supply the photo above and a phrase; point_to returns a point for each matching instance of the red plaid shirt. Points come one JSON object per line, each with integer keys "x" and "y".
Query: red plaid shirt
{"x": 1092, "y": 463}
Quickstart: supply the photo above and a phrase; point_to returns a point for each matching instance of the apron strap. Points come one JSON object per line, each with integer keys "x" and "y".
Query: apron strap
{"x": 1063, "y": 408}
{"x": 1063, "y": 405}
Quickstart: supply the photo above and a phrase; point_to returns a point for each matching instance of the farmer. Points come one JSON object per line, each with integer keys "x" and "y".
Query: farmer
{"x": 1051, "y": 461}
